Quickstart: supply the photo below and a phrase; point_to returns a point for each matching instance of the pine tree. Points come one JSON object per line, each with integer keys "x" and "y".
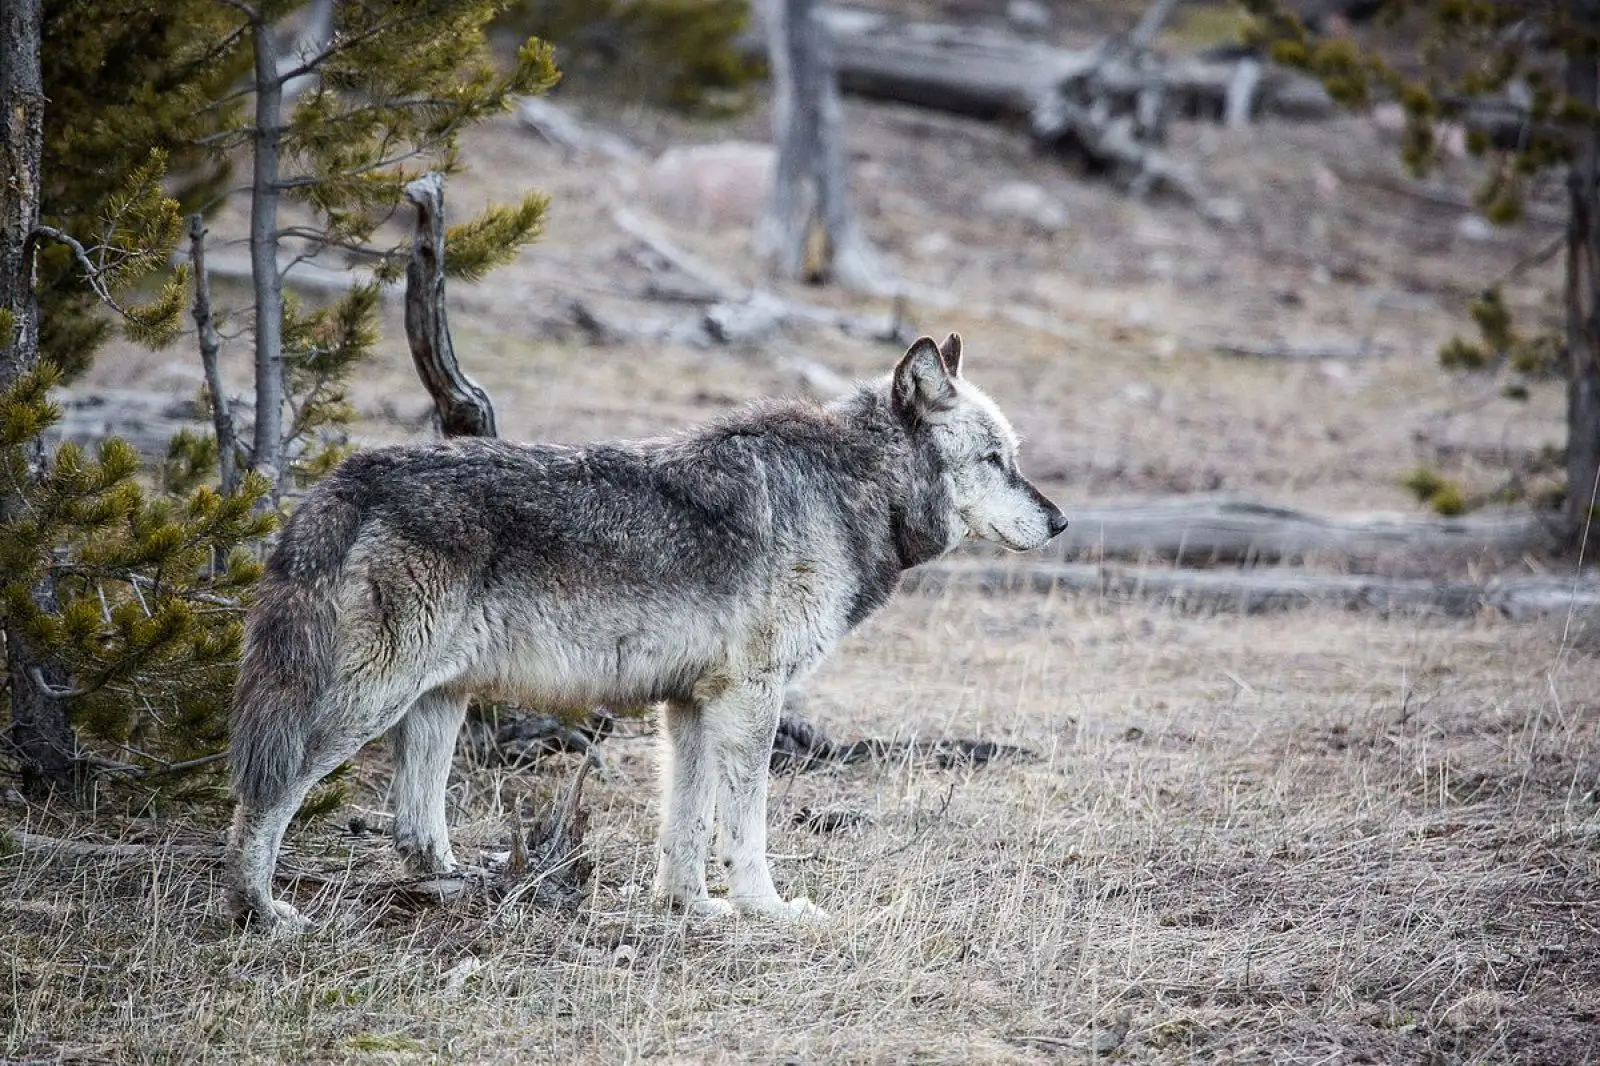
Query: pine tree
{"x": 117, "y": 606}
{"x": 391, "y": 87}
{"x": 122, "y": 603}
{"x": 133, "y": 89}
{"x": 1522, "y": 76}
{"x": 684, "y": 54}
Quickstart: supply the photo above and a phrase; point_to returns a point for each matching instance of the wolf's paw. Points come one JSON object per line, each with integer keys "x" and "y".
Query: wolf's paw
{"x": 712, "y": 909}
{"x": 429, "y": 864}
{"x": 799, "y": 910}
{"x": 276, "y": 918}
{"x": 426, "y": 859}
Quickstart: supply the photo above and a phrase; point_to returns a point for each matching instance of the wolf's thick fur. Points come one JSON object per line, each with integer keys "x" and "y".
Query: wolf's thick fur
{"x": 706, "y": 571}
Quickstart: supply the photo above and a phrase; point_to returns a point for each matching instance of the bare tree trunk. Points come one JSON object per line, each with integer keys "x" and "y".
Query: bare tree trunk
{"x": 206, "y": 329}
{"x": 1583, "y": 300}
{"x": 40, "y": 732}
{"x": 809, "y": 230}
{"x": 267, "y": 454}
{"x": 464, "y": 407}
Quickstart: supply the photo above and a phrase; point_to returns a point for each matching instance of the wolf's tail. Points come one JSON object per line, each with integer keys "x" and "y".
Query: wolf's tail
{"x": 289, "y": 650}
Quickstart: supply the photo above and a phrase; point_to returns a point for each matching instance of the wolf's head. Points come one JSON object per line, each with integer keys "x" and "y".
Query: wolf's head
{"x": 973, "y": 448}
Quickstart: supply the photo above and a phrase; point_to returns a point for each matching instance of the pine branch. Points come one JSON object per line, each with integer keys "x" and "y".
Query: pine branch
{"x": 55, "y": 692}
{"x": 92, "y": 273}
{"x": 315, "y": 62}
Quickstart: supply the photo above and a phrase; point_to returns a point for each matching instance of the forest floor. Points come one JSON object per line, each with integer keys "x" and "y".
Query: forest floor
{"x": 1304, "y": 837}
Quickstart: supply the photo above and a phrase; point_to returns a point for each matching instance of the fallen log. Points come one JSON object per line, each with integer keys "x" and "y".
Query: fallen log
{"x": 737, "y": 314}
{"x": 1276, "y": 589}
{"x": 991, "y": 74}
{"x": 1362, "y": 349}
{"x": 146, "y": 419}
{"x": 1201, "y": 530}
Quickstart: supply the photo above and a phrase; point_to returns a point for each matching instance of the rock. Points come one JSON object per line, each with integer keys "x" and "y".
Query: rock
{"x": 1026, "y": 202}
{"x": 1224, "y": 211}
{"x": 1139, "y": 394}
{"x": 1474, "y": 228}
{"x": 1029, "y": 15}
{"x": 932, "y": 244}
{"x": 723, "y": 184}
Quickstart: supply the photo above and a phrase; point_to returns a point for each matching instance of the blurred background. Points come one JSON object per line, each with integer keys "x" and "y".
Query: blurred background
{"x": 1250, "y": 296}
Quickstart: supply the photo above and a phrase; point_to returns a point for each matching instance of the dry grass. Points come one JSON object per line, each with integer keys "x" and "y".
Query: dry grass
{"x": 1311, "y": 837}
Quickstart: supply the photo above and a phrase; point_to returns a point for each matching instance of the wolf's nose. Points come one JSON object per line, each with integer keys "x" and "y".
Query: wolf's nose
{"x": 1058, "y": 523}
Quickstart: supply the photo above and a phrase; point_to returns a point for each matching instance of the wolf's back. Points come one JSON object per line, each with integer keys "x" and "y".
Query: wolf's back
{"x": 289, "y": 650}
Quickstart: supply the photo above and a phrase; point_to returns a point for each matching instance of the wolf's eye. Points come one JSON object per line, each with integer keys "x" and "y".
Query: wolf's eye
{"x": 995, "y": 459}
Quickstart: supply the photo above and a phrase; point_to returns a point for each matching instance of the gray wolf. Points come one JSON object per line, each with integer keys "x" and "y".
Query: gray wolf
{"x": 706, "y": 572}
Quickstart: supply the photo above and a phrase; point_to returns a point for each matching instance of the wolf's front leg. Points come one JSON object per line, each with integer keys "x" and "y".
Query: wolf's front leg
{"x": 740, "y": 724}
{"x": 688, "y": 799}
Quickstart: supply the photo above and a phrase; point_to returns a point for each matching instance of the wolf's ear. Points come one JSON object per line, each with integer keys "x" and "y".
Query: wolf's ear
{"x": 950, "y": 351}
{"x": 922, "y": 384}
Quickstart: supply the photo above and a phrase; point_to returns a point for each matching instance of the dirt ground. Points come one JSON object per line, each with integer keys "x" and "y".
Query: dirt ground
{"x": 1307, "y": 837}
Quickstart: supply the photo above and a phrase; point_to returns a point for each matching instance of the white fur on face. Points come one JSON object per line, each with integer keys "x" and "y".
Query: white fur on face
{"x": 978, "y": 450}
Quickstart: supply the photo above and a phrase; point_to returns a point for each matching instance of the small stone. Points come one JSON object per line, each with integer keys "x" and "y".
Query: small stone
{"x": 1138, "y": 394}
{"x": 1025, "y": 202}
{"x": 1224, "y": 211}
{"x": 1028, "y": 15}
{"x": 932, "y": 244}
{"x": 1474, "y": 228}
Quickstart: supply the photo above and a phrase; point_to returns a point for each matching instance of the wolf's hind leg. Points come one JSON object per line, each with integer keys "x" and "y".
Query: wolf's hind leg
{"x": 424, "y": 742}
{"x": 340, "y": 723}
{"x": 252, "y": 854}
{"x": 688, "y": 804}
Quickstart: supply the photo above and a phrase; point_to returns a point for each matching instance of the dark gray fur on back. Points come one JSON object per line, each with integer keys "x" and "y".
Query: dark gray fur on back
{"x": 692, "y": 514}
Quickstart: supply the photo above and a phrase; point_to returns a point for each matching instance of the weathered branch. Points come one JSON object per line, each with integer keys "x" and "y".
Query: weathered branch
{"x": 91, "y": 271}
{"x": 1150, "y": 25}
{"x": 205, "y": 327}
{"x": 464, "y": 407}
{"x": 55, "y": 692}
{"x": 563, "y": 130}
{"x": 1260, "y": 591}
{"x": 84, "y": 849}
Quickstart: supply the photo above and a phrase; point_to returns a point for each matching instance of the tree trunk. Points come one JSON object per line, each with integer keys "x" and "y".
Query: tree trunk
{"x": 210, "y": 346}
{"x": 465, "y": 409}
{"x": 267, "y": 455}
{"x": 40, "y": 732}
{"x": 809, "y": 231}
{"x": 1583, "y": 305}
